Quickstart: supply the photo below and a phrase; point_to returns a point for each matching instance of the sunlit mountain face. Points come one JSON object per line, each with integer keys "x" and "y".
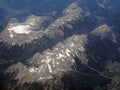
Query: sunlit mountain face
{"x": 59, "y": 45}
{"x": 21, "y": 9}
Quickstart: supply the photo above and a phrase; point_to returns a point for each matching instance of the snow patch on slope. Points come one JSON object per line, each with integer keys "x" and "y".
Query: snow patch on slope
{"x": 20, "y": 29}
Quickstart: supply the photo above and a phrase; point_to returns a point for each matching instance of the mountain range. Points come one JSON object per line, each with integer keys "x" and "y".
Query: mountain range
{"x": 74, "y": 48}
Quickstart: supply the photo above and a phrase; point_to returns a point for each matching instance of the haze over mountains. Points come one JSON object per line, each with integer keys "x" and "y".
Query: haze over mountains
{"x": 75, "y": 46}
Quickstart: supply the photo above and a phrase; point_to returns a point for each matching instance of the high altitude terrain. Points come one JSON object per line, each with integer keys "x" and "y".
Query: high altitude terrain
{"x": 75, "y": 48}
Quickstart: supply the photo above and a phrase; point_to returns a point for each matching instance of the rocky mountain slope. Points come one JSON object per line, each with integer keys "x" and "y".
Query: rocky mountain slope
{"x": 77, "y": 59}
{"x": 70, "y": 52}
{"x": 32, "y": 32}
